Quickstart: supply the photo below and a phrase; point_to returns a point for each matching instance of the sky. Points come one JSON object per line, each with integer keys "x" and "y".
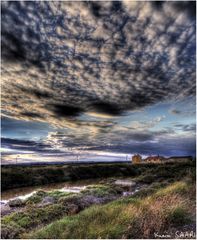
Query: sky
{"x": 111, "y": 78}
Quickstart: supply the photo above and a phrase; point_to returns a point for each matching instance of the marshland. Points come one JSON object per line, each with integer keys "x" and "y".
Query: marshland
{"x": 112, "y": 201}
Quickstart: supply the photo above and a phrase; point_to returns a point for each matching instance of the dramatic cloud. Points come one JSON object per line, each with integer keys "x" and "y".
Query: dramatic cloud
{"x": 124, "y": 140}
{"x": 24, "y": 145}
{"x": 114, "y": 76}
{"x": 63, "y": 59}
{"x": 167, "y": 147}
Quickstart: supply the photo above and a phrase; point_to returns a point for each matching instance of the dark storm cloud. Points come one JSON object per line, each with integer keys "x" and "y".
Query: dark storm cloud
{"x": 187, "y": 127}
{"x": 190, "y": 128}
{"x": 61, "y": 59}
{"x": 167, "y": 147}
{"x": 106, "y": 108}
{"x": 62, "y": 110}
{"x": 111, "y": 136}
{"x": 162, "y": 142}
{"x": 24, "y": 145}
{"x": 19, "y": 146}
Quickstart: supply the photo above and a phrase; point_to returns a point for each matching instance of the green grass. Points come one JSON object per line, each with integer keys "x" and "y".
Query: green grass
{"x": 126, "y": 218}
{"x": 34, "y": 216}
{"x": 99, "y": 190}
{"x": 36, "y": 198}
{"x": 178, "y": 187}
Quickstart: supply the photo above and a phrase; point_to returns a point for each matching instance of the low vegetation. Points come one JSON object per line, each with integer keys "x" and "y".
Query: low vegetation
{"x": 132, "y": 217}
{"x": 43, "y": 207}
{"x": 165, "y": 202}
{"x": 23, "y": 176}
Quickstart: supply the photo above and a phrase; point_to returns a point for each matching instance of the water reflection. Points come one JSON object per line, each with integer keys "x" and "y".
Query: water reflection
{"x": 26, "y": 192}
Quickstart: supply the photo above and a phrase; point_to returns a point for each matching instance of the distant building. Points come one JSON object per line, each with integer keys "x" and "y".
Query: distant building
{"x": 180, "y": 159}
{"x": 154, "y": 159}
{"x": 136, "y": 158}
{"x": 159, "y": 159}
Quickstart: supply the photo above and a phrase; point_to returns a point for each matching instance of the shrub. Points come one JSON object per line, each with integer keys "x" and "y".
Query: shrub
{"x": 10, "y": 231}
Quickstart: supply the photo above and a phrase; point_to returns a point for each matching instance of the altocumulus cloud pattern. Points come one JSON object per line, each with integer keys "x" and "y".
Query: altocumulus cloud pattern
{"x": 61, "y": 59}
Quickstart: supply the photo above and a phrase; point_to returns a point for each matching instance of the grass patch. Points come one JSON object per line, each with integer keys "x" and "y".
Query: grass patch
{"x": 99, "y": 190}
{"x": 178, "y": 187}
{"x": 125, "y": 218}
{"x": 59, "y": 194}
{"x": 36, "y": 198}
{"x": 33, "y": 217}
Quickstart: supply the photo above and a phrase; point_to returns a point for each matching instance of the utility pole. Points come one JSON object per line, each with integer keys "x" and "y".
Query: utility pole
{"x": 17, "y": 158}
